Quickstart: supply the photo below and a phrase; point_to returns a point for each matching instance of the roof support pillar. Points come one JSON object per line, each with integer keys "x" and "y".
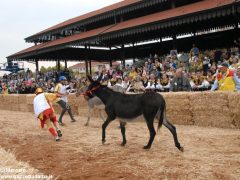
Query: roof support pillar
{"x": 174, "y": 41}
{"x": 134, "y": 60}
{"x": 37, "y": 66}
{"x": 58, "y": 65}
{"x": 123, "y": 55}
{"x": 65, "y": 64}
{"x": 86, "y": 62}
{"x": 110, "y": 59}
{"x": 90, "y": 61}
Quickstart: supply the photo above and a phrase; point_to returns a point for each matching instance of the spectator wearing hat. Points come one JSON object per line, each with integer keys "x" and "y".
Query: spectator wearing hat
{"x": 225, "y": 79}
{"x": 62, "y": 89}
{"x": 237, "y": 79}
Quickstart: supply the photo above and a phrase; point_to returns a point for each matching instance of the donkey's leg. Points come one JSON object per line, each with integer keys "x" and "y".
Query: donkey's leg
{"x": 104, "y": 126}
{"x": 89, "y": 115}
{"x": 101, "y": 114}
{"x": 123, "y": 130}
{"x": 152, "y": 132}
{"x": 172, "y": 129}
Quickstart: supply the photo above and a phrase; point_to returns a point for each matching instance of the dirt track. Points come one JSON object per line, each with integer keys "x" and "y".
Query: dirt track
{"x": 210, "y": 153}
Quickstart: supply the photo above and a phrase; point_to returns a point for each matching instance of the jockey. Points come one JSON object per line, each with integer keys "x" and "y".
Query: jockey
{"x": 45, "y": 113}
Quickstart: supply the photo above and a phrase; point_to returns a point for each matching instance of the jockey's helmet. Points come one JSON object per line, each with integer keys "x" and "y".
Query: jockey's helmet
{"x": 38, "y": 91}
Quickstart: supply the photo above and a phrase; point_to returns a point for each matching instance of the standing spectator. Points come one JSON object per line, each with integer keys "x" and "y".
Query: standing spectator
{"x": 194, "y": 51}
{"x": 225, "y": 79}
{"x": 179, "y": 82}
{"x": 61, "y": 89}
{"x": 237, "y": 78}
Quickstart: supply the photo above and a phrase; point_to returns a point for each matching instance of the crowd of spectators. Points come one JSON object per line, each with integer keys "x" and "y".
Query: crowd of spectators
{"x": 194, "y": 71}
{"x": 26, "y": 82}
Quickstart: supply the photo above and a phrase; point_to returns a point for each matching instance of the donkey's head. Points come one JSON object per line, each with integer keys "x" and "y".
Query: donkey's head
{"x": 81, "y": 87}
{"x": 93, "y": 85}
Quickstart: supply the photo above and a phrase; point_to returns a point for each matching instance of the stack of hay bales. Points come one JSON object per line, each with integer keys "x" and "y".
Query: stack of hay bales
{"x": 210, "y": 109}
{"x": 234, "y": 108}
{"x": 178, "y": 108}
{"x": 29, "y": 101}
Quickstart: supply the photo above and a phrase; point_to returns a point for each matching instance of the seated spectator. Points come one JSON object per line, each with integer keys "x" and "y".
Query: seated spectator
{"x": 125, "y": 83}
{"x": 235, "y": 64}
{"x": 118, "y": 87}
{"x": 194, "y": 51}
{"x": 179, "y": 82}
{"x": 165, "y": 82}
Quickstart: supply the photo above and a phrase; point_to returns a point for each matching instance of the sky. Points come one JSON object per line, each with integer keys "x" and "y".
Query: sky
{"x": 22, "y": 18}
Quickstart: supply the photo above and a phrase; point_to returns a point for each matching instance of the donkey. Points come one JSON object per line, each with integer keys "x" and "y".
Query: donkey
{"x": 93, "y": 102}
{"x": 125, "y": 106}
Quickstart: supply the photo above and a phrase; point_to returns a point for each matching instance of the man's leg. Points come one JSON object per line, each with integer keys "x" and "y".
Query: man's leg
{"x": 64, "y": 109}
{"x": 70, "y": 113}
{"x": 52, "y": 130}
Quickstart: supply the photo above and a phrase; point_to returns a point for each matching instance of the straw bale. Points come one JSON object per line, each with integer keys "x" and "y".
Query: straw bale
{"x": 14, "y": 98}
{"x": 176, "y": 112}
{"x": 83, "y": 111}
{"x": 1, "y": 97}
{"x": 211, "y": 113}
{"x": 23, "y": 107}
{"x": 213, "y": 121}
{"x": 236, "y": 120}
{"x": 175, "y": 95}
{"x": 14, "y": 107}
{"x": 30, "y": 108}
{"x": 234, "y": 102}
{"x": 214, "y": 98}
{"x": 180, "y": 119}
{"x": 30, "y": 98}
{"x": 6, "y": 99}
{"x": 22, "y": 99}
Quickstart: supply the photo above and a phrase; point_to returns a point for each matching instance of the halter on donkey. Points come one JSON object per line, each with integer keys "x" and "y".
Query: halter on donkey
{"x": 123, "y": 106}
{"x": 93, "y": 102}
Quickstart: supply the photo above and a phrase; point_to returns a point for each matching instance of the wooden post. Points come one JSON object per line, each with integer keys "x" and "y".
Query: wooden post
{"x": 86, "y": 62}
{"x": 58, "y": 65}
{"x": 65, "y": 64}
{"x": 123, "y": 55}
{"x": 110, "y": 59}
{"x": 37, "y": 66}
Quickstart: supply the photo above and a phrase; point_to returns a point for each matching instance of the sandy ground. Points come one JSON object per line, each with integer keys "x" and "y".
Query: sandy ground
{"x": 210, "y": 153}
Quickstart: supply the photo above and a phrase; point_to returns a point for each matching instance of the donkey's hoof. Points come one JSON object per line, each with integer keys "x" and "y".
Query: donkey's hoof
{"x": 146, "y": 147}
{"x": 103, "y": 141}
{"x": 123, "y": 143}
{"x": 181, "y": 149}
{"x": 86, "y": 124}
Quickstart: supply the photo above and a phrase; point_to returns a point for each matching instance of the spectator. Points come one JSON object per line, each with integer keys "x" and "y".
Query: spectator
{"x": 194, "y": 51}
{"x": 225, "y": 79}
{"x": 237, "y": 78}
{"x": 179, "y": 82}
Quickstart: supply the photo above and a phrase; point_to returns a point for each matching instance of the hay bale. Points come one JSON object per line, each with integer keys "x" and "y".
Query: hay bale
{"x": 213, "y": 121}
{"x": 15, "y": 107}
{"x": 83, "y": 111}
{"x": 22, "y": 99}
{"x": 234, "y": 108}
{"x": 30, "y": 98}
{"x": 30, "y": 108}
{"x": 175, "y": 95}
{"x": 180, "y": 119}
{"x": 23, "y": 107}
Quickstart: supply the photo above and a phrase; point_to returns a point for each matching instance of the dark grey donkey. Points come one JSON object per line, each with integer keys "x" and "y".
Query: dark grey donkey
{"x": 124, "y": 106}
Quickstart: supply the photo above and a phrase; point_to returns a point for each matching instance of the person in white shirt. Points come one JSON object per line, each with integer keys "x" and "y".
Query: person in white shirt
{"x": 62, "y": 90}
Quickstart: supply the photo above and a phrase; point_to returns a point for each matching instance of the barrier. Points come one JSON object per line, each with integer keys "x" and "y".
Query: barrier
{"x": 215, "y": 109}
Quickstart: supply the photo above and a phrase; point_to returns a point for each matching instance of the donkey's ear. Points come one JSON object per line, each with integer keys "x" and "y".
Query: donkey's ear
{"x": 100, "y": 77}
{"x": 90, "y": 78}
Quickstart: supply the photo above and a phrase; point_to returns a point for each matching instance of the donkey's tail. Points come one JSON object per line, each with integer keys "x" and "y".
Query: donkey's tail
{"x": 162, "y": 110}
